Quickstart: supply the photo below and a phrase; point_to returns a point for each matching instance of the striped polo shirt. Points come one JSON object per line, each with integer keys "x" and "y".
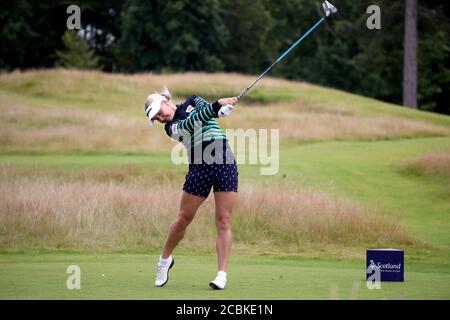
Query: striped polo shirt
{"x": 194, "y": 124}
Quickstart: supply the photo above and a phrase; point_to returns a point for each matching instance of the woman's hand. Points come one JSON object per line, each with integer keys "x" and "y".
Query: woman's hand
{"x": 227, "y": 106}
{"x": 228, "y": 101}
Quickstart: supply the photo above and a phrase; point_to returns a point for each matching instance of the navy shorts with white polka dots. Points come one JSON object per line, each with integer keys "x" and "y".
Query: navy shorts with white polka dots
{"x": 201, "y": 177}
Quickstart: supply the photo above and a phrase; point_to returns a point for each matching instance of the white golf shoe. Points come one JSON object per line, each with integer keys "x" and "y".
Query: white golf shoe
{"x": 162, "y": 271}
{"x": 220, "y": 281}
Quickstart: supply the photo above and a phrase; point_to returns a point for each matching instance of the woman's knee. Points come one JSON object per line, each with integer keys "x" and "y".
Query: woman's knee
{"x": 223, "y": 222}
{"x": 184, "y": 219}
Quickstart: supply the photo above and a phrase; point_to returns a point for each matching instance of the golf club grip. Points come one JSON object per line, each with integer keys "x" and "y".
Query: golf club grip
{"x": 242, "y": 94}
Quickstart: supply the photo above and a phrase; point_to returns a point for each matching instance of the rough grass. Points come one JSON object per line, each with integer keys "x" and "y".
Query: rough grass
{"x": 435, "y": 164}
{"x": 71, "y": 110}
{"x": 31, "y": 126}
{"x": 91, "y": 210}
{"x": 313, "y": 125}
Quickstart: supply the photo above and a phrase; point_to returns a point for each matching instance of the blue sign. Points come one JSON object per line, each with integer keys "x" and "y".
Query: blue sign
{"x": 388, "y": 262}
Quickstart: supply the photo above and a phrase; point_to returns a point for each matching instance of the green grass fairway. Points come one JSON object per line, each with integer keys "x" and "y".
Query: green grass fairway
{"x": 131, "y": 276}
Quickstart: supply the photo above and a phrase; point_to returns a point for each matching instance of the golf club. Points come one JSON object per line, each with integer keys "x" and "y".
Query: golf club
{"x": 328, "y": 9}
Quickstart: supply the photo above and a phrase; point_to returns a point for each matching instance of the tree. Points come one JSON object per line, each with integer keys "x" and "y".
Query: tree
{"x": 77, "y": 54}
{"x": 410, "y": 55}
{"x": 248, "y": 21}
{"x": 173, "y": 35}
{"x": 30, "y": 31}
{"x": 434, "y": 56}
{"x": 246, "y": 36}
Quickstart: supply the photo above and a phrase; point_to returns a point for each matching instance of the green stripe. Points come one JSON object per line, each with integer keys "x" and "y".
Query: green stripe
{"x": 203, "y": 117}
{"x": 200, "y": 102}
{"x": 210, "y": 111}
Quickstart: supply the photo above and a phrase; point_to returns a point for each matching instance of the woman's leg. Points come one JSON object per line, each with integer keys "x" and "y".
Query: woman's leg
{"x": 224, "y": 206}
{"x": 188, "y": 207}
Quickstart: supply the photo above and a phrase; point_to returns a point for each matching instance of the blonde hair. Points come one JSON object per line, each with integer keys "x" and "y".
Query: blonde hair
{"x": 165, "y": 93}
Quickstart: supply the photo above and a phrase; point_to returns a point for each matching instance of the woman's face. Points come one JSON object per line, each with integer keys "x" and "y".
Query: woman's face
{"x": 165, "y": 114}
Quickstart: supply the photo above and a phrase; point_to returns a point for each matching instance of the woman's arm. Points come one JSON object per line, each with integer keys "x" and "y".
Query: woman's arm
{"x": 201, "y": 103}
{"x": 228, "y": 101}
{"x": 206, "y": 112}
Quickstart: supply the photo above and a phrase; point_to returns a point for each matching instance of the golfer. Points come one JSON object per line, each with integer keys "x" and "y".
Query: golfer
{"x": 211, "y": 165}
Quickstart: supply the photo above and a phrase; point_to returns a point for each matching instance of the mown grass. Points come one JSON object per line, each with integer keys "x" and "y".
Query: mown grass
{"x": 130, "y": 276}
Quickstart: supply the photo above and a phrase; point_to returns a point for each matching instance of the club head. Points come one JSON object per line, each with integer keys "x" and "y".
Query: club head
{"x": 328, "y": 8}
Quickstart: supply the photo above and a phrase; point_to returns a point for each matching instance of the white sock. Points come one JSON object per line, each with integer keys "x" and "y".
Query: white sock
{"x": 165, "y": 261}
{"x": 223, "y": 273}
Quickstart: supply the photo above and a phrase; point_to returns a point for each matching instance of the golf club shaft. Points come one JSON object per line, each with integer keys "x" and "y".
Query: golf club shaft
{"x": 280, "y": 58}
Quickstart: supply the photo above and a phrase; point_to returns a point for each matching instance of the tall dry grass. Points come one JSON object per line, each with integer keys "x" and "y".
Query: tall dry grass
{"x": 322, "y": 124}
{"x": 431, "y": 164}
{"x": 31, "y": 126}
{"x": 45, "y": 210}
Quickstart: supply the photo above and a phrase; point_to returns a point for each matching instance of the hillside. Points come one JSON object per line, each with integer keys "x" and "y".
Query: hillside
{"x": 105, "y": 111}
